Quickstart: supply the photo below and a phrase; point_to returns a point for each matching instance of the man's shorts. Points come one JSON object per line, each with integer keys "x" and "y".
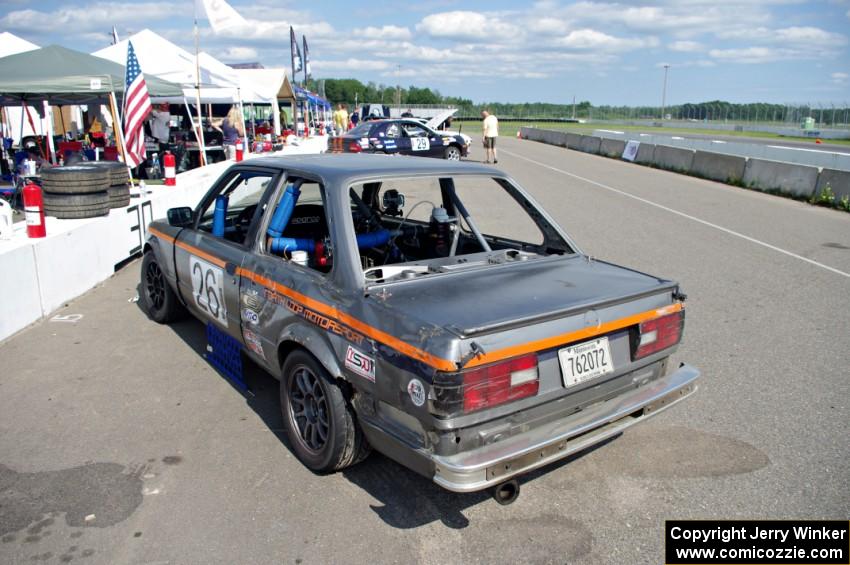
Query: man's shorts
{"x": 489, "y": 143}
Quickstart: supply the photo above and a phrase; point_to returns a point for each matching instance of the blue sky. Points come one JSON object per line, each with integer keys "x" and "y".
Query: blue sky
{"x": 785, "y": 51}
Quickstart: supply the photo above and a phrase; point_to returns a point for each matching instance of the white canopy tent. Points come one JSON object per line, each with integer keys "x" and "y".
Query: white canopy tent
{"x": 162, "y": 58}
{"x": 11, "y": 44}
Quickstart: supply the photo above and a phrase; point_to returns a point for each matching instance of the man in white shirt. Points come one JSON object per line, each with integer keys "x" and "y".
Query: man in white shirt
{"x": 491, "y": 132}
{"x": 160, "y": 128}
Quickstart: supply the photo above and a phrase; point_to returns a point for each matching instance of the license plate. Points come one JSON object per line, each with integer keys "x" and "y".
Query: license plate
{"x": 585, "y": 361}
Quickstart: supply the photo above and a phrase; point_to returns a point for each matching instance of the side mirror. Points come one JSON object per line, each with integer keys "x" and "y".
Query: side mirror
{"x": 180, "y": 217}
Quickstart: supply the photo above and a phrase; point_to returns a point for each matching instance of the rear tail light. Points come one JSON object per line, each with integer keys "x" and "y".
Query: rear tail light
{"x": 354, "y": 147}
{"x": 485, "y": 387}
{"x": 659, "y": 333}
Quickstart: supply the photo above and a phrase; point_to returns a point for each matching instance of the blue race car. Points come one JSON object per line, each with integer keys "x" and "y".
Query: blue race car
{"x": 401, "y": 137}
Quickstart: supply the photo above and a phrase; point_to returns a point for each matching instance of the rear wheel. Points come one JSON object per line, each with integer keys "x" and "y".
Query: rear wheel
{"x": 452, "y": 153}
{"x": 158, "y": 298}
{"x": 320, "y": 423}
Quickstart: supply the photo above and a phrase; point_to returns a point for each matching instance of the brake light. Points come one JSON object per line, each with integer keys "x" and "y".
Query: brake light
{"x": 659, "y": 333}
{"x": 500, "y": 383}
{"x": 354, "y": 147}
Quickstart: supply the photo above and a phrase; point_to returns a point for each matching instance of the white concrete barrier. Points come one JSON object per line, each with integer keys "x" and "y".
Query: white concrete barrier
{"x": 719, "y": 167}
{"x": 797, "y": 180}
{"x": 41, "y": 275}
{"x": 645, "y": 154}
{"x": 612, "y": 147}
{"x": 673, "y": 158}
{"x": 838, "y": 181}
{"x": 590, "y": 144}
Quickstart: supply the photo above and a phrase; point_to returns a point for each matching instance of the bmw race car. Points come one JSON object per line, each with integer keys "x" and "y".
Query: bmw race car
{"x": 402, "y": 137}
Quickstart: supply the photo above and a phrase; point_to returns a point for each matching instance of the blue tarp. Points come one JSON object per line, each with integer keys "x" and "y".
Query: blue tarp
{"x": 315, "y": 99}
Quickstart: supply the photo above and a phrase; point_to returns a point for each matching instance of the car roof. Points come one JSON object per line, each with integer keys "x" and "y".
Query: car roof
{"x": 346, "y": 168}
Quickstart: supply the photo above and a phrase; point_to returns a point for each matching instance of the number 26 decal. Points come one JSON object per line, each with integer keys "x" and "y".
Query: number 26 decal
{"x": 207, "y": 288}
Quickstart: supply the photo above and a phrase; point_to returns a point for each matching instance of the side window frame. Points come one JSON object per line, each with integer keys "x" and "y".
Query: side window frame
{"x": 226, "y": 180}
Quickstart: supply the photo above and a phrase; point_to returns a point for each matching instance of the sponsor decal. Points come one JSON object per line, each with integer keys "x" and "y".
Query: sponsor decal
{"x": 254, "y": 342}
{"x": 251, "y": 299}
{"x": 323, "y": 322}
{"x": 360, "y": 363}
{"x": 250, "y": 316}
{"x": 416, "y": 390}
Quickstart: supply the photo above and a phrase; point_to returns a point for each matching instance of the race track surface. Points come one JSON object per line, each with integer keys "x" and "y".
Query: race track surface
{"x": 120, "y": 444}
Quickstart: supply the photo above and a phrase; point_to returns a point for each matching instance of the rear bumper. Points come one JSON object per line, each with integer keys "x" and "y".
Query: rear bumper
{"x": 498, "y": 462}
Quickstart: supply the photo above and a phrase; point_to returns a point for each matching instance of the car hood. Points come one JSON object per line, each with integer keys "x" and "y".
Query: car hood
{"x": 493, "y": 298}
{"x": 435, "y": 122}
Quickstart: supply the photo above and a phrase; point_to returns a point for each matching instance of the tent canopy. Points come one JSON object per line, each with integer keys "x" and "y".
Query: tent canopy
{"x": 11, "y": 44}
{"x": 64, "y": 76}
{"x": 158, "y": 56}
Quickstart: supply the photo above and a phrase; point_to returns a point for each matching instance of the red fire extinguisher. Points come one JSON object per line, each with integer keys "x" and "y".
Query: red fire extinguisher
{"x": 34, "y": 210}
{"x": 170, "y": 164}
{"x": 239, "y": 151}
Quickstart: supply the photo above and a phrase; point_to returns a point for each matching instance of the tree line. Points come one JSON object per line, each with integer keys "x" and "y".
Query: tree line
{"x": 350, "y": 90}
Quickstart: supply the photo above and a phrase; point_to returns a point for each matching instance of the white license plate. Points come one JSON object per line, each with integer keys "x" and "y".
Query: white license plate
{"x": 585, "y": 361}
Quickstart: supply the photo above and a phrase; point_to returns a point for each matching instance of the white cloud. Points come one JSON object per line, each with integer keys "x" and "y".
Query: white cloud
{"x": 592, "y": 39}
{"x": 547, "y": 26}
{"x": 350, "y": 65}
{"x": 839, "y": 78}
{"x": 804, "y": 36}
{"x": 686, "y": 46}
{"x": 91, "y": 17}
{"x": 384, "y": 32}
{"x": 467, "y": 25}
{"x": 238, "y": 54}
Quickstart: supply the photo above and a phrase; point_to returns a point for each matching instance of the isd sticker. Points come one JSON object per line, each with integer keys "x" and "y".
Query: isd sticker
{"x": 416, "y": 390}
{"x": 360, "y": 363}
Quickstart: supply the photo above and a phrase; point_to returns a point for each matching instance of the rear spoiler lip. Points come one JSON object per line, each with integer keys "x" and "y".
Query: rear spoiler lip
{"x": 465, "y": 333}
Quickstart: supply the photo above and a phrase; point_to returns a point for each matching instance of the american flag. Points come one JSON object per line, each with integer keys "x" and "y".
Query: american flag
{"x": 137, "y": 106}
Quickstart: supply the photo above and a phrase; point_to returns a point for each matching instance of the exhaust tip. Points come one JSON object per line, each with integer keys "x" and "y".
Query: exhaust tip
{"x": 507, "y": 492}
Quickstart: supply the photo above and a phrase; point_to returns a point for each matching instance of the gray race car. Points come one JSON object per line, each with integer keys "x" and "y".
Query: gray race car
{"x": 427, "y": 309}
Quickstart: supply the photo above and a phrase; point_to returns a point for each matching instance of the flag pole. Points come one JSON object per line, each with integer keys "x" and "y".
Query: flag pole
{"x": 118, "y": 128}
{"x": 203, "y": 150}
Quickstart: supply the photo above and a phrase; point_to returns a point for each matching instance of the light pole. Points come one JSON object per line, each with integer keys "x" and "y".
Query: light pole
{"x": 664, "y": 92}
{"x": 398, "y": 88}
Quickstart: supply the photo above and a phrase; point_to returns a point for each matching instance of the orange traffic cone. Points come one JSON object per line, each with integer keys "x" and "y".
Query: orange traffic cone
{"x": 818, "y": 140}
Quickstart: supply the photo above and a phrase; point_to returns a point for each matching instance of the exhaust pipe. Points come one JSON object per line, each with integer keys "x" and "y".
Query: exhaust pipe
{"x": 507, "y": 492}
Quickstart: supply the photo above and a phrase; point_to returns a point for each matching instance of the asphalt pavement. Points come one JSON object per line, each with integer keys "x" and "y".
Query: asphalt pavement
{"x": 120, "y": 444}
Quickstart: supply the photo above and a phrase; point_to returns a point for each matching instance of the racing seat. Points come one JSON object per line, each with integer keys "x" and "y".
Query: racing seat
{"x": 307, "y": 221}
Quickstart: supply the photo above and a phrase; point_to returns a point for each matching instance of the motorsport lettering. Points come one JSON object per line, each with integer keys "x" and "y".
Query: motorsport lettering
{"x": 314, "y": 318}
{"x": 725, "y": 535}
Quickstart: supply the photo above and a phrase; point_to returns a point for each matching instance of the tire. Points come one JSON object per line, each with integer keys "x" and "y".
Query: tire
{"x": 452, "y": 153}
{"x": 75, "y": 187}
{"x": 314, "y": 406}
{"x": 156, "y": 295}
{"x": 117, "y": 172}
{"x": 54, "y": 200}
{"x": 77, "y": 213}
{"x": 119, "y": 196}
{"x": 75, "y": 173}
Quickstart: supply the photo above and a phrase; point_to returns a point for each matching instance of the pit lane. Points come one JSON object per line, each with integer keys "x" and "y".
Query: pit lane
{"x": 120, "y": 444}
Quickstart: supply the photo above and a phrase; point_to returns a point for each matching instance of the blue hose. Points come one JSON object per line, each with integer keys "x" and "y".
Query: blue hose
{"x": 283, "y": 212}
{"x": 289, "y": 244}
{"x": 219, "y": 215}
{"x": 374, "y": 239}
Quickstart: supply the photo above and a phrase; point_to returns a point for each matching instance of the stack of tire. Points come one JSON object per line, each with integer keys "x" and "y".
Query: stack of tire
{"x": 86, "y": 190}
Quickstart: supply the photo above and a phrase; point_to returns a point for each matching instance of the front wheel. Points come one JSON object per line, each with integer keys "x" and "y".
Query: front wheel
{"x": 157, "y": 296}
{"x": 319, "y": 421}
{"x": 452, "y": 153}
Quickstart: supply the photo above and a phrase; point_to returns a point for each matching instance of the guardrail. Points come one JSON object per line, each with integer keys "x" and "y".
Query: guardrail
{"x": 791, "y": 179}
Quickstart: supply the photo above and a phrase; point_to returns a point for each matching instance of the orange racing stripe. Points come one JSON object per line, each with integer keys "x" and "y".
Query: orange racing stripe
{"x": 411, "y": 351}
{"x": 563, "y": 339}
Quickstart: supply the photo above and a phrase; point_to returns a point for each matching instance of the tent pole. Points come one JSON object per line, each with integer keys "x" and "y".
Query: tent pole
{"x": 48, "y": 117}
{"x": 195, "y": 130}
{"x": 62, "y": 119}
{"x": 118, "y": 129}
{"x": 200, "y": 133}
